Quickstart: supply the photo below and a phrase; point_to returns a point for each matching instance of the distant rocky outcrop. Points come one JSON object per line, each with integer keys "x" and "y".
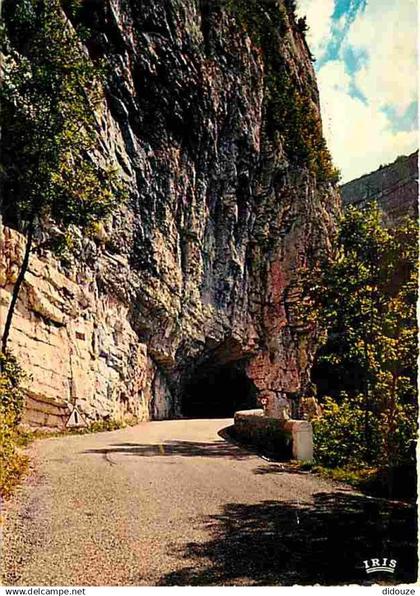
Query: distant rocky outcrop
{"x": 394, "y": 187}
{"x": 199, "y": 271}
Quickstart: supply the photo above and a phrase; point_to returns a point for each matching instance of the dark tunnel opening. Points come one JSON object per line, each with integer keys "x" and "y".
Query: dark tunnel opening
{"x": 218, "y": 392}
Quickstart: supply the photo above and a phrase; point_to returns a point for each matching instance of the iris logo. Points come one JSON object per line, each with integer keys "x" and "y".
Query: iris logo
{"x": 377, "y": 565}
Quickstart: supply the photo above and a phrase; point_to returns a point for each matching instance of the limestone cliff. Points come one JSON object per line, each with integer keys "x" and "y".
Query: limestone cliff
{"x": 395, "y": 187}
{"x": 212, "y": 113}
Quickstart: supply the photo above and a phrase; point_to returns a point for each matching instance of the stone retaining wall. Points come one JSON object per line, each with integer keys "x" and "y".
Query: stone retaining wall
{"x": 262, "y": 432}
{"x": 46, "y": 413}
{"x": 290, "y": 439}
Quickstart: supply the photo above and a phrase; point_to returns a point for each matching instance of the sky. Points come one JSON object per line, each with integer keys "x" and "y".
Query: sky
{"x": 366, "y": 67}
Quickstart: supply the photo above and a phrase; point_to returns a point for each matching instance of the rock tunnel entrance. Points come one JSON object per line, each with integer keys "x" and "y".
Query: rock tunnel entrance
{"x": 218, "y": 391}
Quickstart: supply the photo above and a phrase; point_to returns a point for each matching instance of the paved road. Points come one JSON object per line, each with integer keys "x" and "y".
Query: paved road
{"x": 172, "y": 503}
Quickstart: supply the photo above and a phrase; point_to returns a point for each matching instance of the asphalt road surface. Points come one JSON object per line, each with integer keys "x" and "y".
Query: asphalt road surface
{"x": 173, "y": 503}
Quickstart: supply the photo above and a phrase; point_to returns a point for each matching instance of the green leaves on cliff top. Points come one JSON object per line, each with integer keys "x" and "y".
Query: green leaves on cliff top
{"x": 289, "y": 106}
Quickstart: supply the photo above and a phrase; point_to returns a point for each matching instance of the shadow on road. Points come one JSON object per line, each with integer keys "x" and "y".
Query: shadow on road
{"x": 215, "y": 449}
{"x": 277, "y": 543}
{"x": 285, "y": 468}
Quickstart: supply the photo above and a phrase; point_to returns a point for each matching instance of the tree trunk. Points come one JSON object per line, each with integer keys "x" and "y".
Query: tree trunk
{"x": 390, "y": 449}
{"x": 366, "y": 391}
{"x": 17, "y": 286}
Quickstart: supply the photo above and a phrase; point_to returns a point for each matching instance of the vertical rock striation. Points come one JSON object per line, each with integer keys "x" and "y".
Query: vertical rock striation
{"x": 212, "y": 113}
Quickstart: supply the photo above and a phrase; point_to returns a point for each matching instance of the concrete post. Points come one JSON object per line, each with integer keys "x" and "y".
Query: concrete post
{"x": 302, "y": 438}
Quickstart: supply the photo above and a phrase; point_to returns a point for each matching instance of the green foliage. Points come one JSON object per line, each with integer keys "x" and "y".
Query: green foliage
{"x": 51, "y": 98}
{"x": 399, "y": 482}
{"x": 104, "y": 425}
{"x": 338, "y": 433}
{"x": 12, "y": 462}
{"x": 264, "y": 22}
{"x": 366, "y": 298}
{"x": 289, "y": 105}
{"x": 11, "y": 394}
{"x": 302, "y": 25}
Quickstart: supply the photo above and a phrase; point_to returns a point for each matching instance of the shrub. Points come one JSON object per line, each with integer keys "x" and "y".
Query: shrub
{"x": 11, "y": 394}
{"x": 13, "y": 462}
{"x": 107, "y": 424}
{"x": 365, "y": 296}
{"x": 340, "y": 435}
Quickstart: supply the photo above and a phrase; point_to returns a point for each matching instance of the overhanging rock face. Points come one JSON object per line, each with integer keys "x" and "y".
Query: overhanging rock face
{"x": 200, "y": 267}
